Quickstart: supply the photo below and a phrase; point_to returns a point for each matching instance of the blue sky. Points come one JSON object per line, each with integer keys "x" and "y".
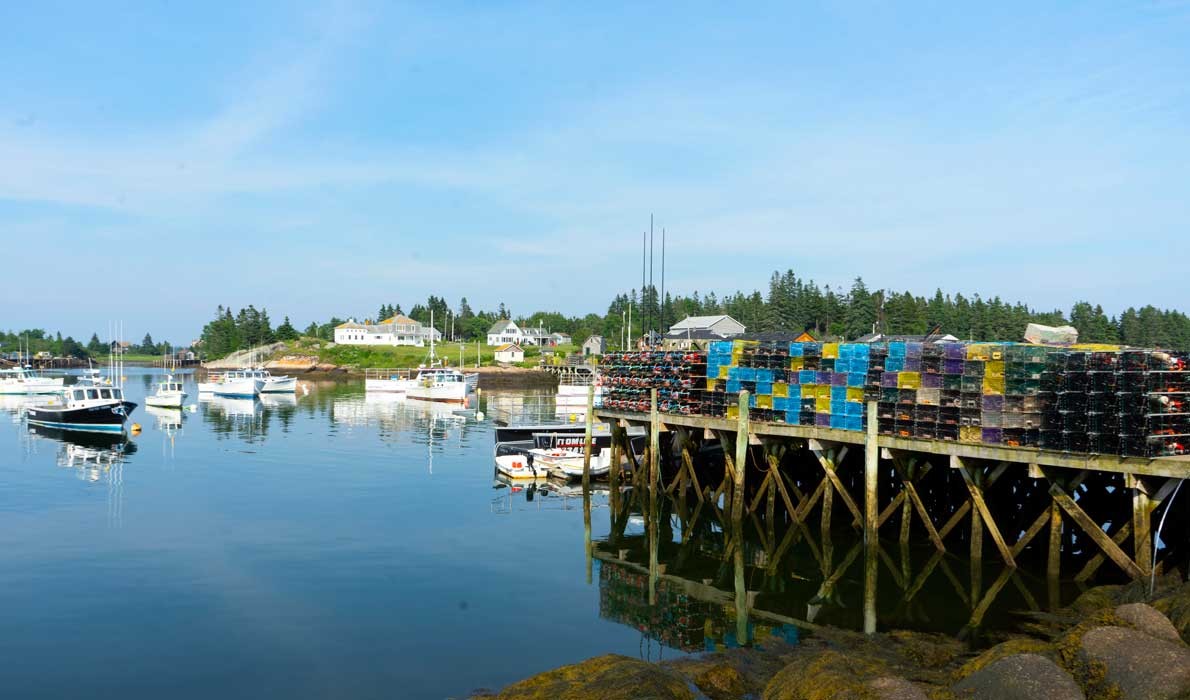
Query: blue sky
{"x": 319, "y": 159}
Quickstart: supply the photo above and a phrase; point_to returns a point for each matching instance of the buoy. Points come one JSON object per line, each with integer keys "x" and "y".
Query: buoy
{"x": 135, "y": 428}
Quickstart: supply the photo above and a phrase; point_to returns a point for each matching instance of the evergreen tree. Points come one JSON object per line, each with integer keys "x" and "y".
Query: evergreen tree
{"x": 286, "y": 331}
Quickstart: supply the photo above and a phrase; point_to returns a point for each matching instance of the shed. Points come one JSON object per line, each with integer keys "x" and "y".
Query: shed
{"x": 722, "y": 325}
{"x": 508, "y": 354}
{"x": 594, "y": 345}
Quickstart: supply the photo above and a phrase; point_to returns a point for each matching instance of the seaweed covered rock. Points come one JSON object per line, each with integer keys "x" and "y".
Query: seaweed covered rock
{"x": 1011, "y": 647}
{"x": 1020, "y": 677}
{"x": 736, "y": 673}
{"x": 830, "y": 674}
{"x": 1175, "y": 605}
{"x": 927, "y": 650}
{"x": 893, "y": 688}
{"x": 1149, "y": 620}
{"x": 609, "y": 677}
{"x": 1139, "y": 666}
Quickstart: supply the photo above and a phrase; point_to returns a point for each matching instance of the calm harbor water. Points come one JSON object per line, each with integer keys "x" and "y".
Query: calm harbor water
{"x": 339, "y": 545}
{"x": 328, "y": 546}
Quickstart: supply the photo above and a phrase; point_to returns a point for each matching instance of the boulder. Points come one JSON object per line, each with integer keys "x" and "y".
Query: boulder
{"x": 1011, "y": 647}
{"x": 1149, "y": 620}
{"x": 609, "y": 677}
{"x": 1140, "y": 666}
{"x": 893, "y": 688}
{"x": 1020, "y": 677}
{"x": 720, "y": 681}
{"x": 826, "y": 676}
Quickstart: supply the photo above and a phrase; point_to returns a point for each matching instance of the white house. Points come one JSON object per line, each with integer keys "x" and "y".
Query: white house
{"x": 398, "y": 330}
{"x": 560, "y": 339}
{"x": 722, "y": 325}
{"x": 507, "y": 332}
{"x": 507, "y": 354}
{"x": 504, "y": 332}
{"x": 535, "y": 336}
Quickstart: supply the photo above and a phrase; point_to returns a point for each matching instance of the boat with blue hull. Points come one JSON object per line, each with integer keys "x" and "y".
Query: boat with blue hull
{"x": 91, "y": 408}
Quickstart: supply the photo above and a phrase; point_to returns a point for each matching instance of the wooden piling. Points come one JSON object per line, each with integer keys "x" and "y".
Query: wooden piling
{"x": 1053, "y": 569}
{"x": 741, "y": 590}
{"x": 741, "y": 460}
{"x": 871, "y": 515}
{"x": 1142, "y": 538}
{"x": 589, "y": 422}
{"x": 654, "y": 440}
{"x": 613, "y": 472}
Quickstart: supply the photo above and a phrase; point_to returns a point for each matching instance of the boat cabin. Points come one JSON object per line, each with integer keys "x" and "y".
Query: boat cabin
{"x": 79, "y": 396}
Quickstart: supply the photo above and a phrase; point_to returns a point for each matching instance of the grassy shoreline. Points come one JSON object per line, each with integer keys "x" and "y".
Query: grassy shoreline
{"x": 361, "y": 357}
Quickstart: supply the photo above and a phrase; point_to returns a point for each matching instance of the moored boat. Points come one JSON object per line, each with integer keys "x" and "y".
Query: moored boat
{"x": 389, "y": 381}
{"x": 519, "y": 466}
{"x": 238, "y": 384}
{"x": 23, "y": 380}
{"x": 170, "y": 394}
{"x": 84, "y": 407}
{"x": 569, "y": 463}
{"x": 440, "y": 384}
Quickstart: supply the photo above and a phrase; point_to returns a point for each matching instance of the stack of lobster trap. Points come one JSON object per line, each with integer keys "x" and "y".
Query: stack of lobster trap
{"x": 1097, "y": 401}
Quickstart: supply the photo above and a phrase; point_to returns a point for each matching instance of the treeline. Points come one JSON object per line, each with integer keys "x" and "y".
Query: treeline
{"x": 35, "y": 340}
{"x": 246, "y": 328}
{"x": 790, "y": 305}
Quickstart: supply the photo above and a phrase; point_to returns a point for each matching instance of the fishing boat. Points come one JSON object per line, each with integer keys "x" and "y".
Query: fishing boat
{"x": 389, "y": 381}
{"x": 238, "y": 384}
{"x": 435, "y": 382}
{"x": 87, "y": 407}
{"x": 275, "y": 385}
{"x": 169, "y": 394}
{"x": 573, "y": 384}
{"x": 24, "y": 380}
{"x": 440, "y": 384}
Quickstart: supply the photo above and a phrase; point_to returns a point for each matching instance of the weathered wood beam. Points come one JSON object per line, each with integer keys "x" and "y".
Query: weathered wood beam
{"x": 1084, "y": 521}
{"x": 976, "y": 491}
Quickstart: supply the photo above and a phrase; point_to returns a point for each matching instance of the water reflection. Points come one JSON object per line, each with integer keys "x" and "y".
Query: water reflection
{"x": 94, "y": 458}
{"x": 540, "y": 494}
{"x": 675, "y": 568}
{"x": 15, "y": 405}
{"x": 396, "y": 418}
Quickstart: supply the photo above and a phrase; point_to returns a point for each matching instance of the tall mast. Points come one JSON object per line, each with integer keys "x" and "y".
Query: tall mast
{"x": 661, "y": 299}
{"x": 649, "y": 311}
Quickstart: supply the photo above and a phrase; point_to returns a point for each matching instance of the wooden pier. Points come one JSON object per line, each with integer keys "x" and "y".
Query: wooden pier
{"x": 1062, "y": 514}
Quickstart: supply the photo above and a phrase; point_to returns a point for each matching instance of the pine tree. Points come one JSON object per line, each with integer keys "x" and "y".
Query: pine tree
{"x": 286, "y": 331}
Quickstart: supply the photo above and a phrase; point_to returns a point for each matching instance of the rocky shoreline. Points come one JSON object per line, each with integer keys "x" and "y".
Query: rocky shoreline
{"x": 1112, "y": 643}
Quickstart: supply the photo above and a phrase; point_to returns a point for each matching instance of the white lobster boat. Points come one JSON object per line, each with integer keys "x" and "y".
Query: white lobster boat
{"x": 22, "y": 380}
{"x": 389, "y": 381}
{"x": 238, "y": 384}
{"x": 169, "y": 394}
{"x": 442, "y": 384}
